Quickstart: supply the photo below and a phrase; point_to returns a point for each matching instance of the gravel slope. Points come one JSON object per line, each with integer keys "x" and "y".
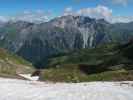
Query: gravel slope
{"x": 13, "y": 89}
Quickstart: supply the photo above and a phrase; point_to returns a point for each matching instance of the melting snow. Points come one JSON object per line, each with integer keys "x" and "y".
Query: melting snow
{"x": 29, "y": 77}
{"x": 13, "y": 89}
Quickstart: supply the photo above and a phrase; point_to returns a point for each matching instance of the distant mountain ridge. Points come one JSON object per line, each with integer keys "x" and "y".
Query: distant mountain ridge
{"x": 35, "y": 42}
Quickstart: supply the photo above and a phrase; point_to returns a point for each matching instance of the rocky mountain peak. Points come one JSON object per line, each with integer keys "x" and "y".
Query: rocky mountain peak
{"x": 36, "y": 41}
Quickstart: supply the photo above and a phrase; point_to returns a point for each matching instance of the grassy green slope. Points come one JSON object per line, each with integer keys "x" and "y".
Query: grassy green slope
{"x": 11, "y": 65}
{"x": 106, "y": 62}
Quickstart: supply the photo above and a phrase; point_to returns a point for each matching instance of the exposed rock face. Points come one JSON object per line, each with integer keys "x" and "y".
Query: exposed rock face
{"x": 38, "y": 41}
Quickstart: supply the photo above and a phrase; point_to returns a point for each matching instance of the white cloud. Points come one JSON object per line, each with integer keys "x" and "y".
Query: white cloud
{"x": 121, "y": 2}
{"x": 39, "y": 11}
{"x": 37, "y": 16}
{"x": 118, "y": 2}
{"x": 123, "y": 19}
{"x": 68, "y": 11}
{"x": 3, "y": 19}
{"x": 98, "y": 13}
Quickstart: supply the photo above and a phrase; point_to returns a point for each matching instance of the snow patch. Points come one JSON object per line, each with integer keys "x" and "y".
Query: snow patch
{"x": 29, "y": 77}
{"x": 14, "y": 89}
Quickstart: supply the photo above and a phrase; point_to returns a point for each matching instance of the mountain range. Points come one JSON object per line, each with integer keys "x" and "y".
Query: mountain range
{"x": 36, "y": 42}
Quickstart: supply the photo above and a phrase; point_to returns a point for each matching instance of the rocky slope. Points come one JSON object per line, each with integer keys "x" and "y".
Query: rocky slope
{"x": 35, "y": 42}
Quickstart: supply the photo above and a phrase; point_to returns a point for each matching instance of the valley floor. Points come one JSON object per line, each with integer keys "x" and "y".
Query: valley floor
{"x": 14, "y": 89}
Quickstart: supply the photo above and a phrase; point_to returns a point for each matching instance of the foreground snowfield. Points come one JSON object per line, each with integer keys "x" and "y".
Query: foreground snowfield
{"x": 13, "y": 89}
